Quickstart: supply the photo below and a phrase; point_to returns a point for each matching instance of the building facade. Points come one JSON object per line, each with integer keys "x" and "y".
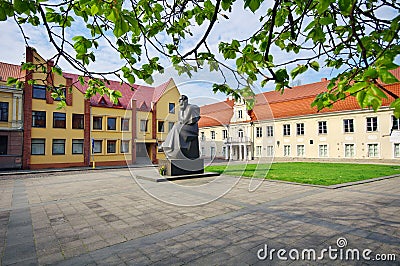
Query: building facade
{"x": 286, "y": 128}
{"x": 34, "y": 133}
{"x": 53, "y": 138}
{"x": 11, "y": 126}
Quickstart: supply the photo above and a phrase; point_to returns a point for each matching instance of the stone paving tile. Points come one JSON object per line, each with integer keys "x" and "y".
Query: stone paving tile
{"x": 105, "y": 218}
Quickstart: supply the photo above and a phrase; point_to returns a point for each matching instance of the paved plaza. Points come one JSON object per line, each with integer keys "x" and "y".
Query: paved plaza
{"x": 107, "y": 217}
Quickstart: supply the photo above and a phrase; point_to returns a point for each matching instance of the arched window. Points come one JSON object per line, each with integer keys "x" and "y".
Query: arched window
{"x": 240, "y": 133}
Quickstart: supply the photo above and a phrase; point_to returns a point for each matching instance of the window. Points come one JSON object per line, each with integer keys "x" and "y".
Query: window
{"x": 38, "y": 119}
{"x": 240, "y": 133}
{"x": 37, "y": 146}
{"x": 62, "y": 90}
{"x": 77, "y": 121}
{"x": 202, "y": 137}
{"x": 373, "y": 150}
{"x": 111, "y": 146}
{"x": 202, "y": 151}
{"x": 77, "y": 146}
{"x": 124, "y": 124}
{"x": 300, "y": 129}
{"x": 240, "y": 114}
{"x": 143, "y": 125}
{"x": 3, "y": 111}
{"x": 372, "y": 124}
{"x": 348, "y": 150}
{"x": 323, "y": 150}
{"x": 111, "y": 123}
{"x": 286, "y": 130}
{"x": 395, "y": 123}
{"x": 322, "y": 127}
{"x": 212, "y": 134}
{"x": 3, "y": 145}
{"x": 348, "y": 125}
{"x": 170, "y": 126}
{"x": 270, "y": 151}
{"x": 270, "y": 131}
{"x": 212, "y": 152}
{"x": 300, "y": 150}
{"x": 58, "y": 146}
{"x": 59, "y": 120}
{"x": 258, "y": 132}
{"x": 160, "y": 126}
{"x": 124, "y": 146}
{"x": 224, "y": 134}
{"x": 171, "y": 108}
{"x": 397, "y": 150}
{"x": 39, "y": 92}
{"x": 97, "y": 146}
{"x": 286, "y": 150}
{"x": 258, "y": 150}
{"x": 224, "y": 151}
{"x": 98, "y": 122}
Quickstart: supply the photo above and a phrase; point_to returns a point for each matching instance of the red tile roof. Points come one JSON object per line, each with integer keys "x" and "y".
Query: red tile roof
{"x": 293, "y": 102}
{"x": 216, "y": 114}
{"x": 144, "y": 95}
{"x": 9, "y": 70}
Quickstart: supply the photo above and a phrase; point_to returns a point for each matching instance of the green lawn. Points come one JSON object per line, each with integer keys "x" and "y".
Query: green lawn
{"x": 310, "y": 173}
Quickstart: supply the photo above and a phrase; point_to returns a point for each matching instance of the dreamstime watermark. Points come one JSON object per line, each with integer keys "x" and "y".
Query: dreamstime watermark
{"x": 338, "y": 252}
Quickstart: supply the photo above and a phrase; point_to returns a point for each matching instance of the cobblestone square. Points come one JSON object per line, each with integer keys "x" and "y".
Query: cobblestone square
{"x": 105, "y": 217}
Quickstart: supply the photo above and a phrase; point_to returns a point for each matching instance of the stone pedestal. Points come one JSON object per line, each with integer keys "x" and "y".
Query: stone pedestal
{"x": 177, "y": 167}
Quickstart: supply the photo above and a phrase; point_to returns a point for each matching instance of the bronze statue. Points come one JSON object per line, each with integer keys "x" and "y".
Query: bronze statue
{"x": 182, "y": 141}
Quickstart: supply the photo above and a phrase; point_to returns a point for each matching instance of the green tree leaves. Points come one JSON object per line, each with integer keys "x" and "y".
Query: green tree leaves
{"x": 351, "y": 38}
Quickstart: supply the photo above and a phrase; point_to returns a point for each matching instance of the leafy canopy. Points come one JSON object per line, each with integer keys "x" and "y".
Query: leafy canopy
{"x": 350, "y": 37}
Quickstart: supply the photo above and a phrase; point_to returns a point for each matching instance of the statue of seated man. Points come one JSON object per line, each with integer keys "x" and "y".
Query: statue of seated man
{"x": 182, "y": 141}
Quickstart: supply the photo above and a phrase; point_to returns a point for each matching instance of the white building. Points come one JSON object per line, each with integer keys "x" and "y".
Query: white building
{"x": 287, "y": 128}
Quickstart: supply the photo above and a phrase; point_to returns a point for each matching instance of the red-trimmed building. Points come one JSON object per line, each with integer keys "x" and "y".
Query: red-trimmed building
{"x": 85, "y": 131}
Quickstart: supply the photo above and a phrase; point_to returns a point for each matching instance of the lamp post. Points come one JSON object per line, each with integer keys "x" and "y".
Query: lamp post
{"x": 252, "y": 139}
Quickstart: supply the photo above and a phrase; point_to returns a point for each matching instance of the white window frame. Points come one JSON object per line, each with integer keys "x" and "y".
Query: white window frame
{"x": 322, "y": 127}
{"x": 326, "y": 153}
{"x": 259, "y": 132}
{"x": 270, "y": 131}
{"x": 394, "y": 150}
{"x": 378, "y": 150}
{"x": 374, "y": 119}
{"x": 354, "y": 150}
{"x": 270, "y": 150}
{"x": 300, "y": 127}
{"x": 285, "y": 154}
{"x": 303, "y": 150}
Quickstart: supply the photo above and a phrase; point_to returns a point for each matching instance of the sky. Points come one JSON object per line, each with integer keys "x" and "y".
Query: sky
{"x": 198, "y": 88}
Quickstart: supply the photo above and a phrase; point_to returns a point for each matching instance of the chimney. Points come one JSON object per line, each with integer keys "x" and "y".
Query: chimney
{"x": 324, "y": 79}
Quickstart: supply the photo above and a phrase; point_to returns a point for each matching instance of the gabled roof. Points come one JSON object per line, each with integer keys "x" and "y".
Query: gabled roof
{"x": 144, "y": 95}
{"x": 9, "y": 70}
{"x": 216, "y": 114}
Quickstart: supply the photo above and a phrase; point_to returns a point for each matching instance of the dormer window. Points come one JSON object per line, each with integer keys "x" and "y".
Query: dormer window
{"x": 102, "y": 101}
{"x": 240, "y": 114}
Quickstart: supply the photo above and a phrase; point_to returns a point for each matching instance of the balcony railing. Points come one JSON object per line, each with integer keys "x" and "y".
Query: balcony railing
{"x": 237, "y": 140}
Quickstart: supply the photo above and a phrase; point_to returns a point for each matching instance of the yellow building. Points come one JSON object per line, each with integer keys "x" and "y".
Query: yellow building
{"x": 10, "y": 119}
{"x": 129, "y": 132}
{"x": 84, "y": 132}
{"x": 53, "y": 138}
{"x": 156, "y": 114}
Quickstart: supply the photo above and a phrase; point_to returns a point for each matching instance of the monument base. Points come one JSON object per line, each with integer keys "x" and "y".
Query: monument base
{"x": 177, "y": 167}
